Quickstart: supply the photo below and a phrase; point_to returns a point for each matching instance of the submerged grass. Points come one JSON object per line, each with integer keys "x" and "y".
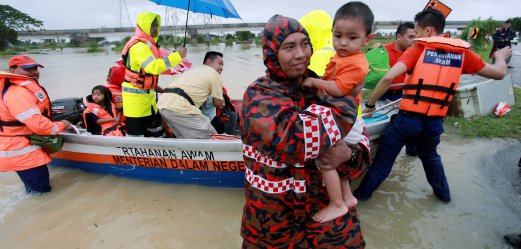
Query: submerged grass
{"x": 490, "y": 126}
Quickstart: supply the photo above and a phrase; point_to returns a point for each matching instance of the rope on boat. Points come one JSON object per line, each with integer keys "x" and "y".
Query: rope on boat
{"x": 369, "y": 114}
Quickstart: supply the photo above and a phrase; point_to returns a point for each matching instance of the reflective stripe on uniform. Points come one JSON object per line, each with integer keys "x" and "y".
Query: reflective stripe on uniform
{"x": 27, "y": 114}
{"x": 328, "y": 121}
{"x": 147, "y": 61}
{"x": 249, "y": 151}
{"x": 275, "y": 187}
{"x": 132, "y": 90}
{"x": 167, "y": 62}
{"x": 54, "y": 130}
{"x": 328, "y": 49}
{"x": 311, "y": 136}
{"x": 19, "y": 152}
{"x": 155, "y": 129}
{"x": 25, "y": 83}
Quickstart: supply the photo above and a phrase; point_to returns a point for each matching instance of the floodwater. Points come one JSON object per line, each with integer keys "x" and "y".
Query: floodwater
{"x": 88, "y": 210}
{"x": 73, "y": 72}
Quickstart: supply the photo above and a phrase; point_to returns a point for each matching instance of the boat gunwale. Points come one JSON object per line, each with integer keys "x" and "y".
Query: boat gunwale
{"x": 186, "y": 144}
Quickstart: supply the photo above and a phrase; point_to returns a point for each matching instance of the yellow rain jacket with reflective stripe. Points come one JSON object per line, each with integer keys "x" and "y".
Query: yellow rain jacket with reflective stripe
{"x": 139, "y": 102}
{"x": 319, "y": 26}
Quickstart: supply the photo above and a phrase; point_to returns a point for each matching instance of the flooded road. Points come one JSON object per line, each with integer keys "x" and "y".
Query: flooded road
{"x": 87, "y": 210}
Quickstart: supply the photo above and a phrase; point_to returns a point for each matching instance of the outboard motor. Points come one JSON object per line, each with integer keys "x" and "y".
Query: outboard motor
{"x": 70, "y": 109}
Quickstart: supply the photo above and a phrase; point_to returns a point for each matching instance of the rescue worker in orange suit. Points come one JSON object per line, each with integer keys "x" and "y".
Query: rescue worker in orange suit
{"x": 435, "y": 65}
{"x": 143, "y": 64}
{"x": 25, "y": 109}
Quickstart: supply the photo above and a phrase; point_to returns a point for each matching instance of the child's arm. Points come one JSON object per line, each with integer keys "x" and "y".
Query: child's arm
{"x": 328, "y": 85}
{"x": 105, "y": 120}
{"x": 118, "y": 117}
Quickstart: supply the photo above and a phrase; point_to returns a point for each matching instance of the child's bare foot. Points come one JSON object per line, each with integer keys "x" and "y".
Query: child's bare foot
{"x": 350, "y": 201}
{"x": 330, "y": 213}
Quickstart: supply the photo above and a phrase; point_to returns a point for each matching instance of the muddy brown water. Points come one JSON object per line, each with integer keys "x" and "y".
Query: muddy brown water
{"x": 88, "y": 210}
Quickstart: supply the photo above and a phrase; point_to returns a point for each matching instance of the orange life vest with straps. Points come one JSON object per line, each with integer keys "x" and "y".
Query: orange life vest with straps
{"x": 116, "y": 93}
{"x": 429, "y": 89}
{"x": 140, "y": 79}
{"x": 9, "y": 125}
{"x": 107, "y": 128}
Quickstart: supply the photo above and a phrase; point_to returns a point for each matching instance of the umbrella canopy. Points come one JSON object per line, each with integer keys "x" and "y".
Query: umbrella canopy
{"x": 222, "y": 8}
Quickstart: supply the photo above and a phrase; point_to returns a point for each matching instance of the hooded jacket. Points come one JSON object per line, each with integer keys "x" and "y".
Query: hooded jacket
{"x": 141, "y": 57}
{"x": 284, "y": 127}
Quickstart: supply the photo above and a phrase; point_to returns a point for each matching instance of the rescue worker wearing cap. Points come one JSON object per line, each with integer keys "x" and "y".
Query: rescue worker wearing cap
{"x": 143, "y": 63}
{"x": 25, "y": 109}
{"x": 434, "y": 68}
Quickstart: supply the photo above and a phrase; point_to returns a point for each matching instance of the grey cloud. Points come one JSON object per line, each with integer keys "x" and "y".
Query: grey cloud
{"x": 62, "y": 14}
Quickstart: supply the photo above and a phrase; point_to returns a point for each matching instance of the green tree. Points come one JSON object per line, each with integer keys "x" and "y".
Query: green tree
{"x": 244, "y": 35}
{"x": 229, "y": 39}
{"x": 516, "y": 23}
{"x": 12, "y": 21}
{"x": 486, "y": 27}
{"x": 7, "y": 36}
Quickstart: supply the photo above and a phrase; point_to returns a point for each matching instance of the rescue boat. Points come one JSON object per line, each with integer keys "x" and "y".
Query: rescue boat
{"x": 215, "y": 163}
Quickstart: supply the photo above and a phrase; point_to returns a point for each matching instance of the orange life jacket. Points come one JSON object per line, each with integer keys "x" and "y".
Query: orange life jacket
{"x": 116, "y": 93}
{"x": 16, "y": 151}
{"x": 107, "y": 128}
{"x": 140, "y": 79}
{"x": 117, "y": 74}
{"x": 9, "y": 126}
{"x": 434, "y": 80}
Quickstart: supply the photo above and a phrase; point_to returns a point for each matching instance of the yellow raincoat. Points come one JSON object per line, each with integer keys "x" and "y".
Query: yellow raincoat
{"x": 143, "y": 55}
{"x": 319, "y": 26}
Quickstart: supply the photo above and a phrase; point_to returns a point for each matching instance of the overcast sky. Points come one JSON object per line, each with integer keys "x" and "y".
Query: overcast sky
{"x": 69, "y": 14}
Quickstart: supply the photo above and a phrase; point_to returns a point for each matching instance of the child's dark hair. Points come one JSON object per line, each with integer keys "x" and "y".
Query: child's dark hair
{"x": 356, "y": 10}
{"x": 402, "y": 28}
{"x": 431, "y": 17}
{"x": 107, "y": 98}
{"x": 211, "y": 55}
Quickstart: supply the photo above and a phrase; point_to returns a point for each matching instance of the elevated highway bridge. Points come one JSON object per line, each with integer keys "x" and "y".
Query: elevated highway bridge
{"x": 118, "y": 33}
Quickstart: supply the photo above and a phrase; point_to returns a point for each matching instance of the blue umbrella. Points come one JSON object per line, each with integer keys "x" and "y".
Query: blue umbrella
{"x": 222, "y": 8}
